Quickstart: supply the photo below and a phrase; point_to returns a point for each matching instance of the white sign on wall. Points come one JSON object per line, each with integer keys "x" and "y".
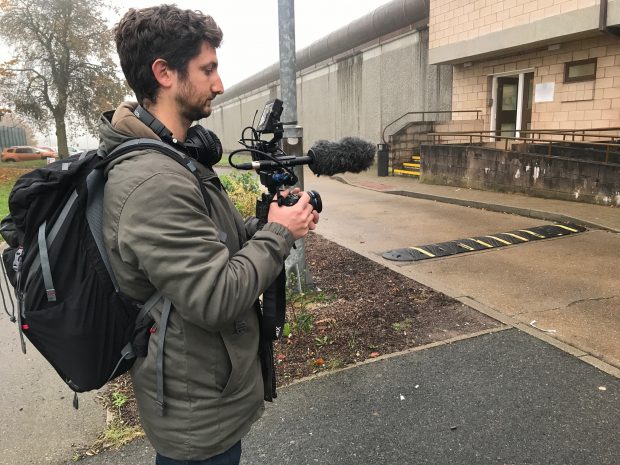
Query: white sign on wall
{"x": 544, "y": 92}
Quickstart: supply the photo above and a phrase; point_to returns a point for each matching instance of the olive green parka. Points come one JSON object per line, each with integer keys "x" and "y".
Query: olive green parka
{"x": 160, "y": 236}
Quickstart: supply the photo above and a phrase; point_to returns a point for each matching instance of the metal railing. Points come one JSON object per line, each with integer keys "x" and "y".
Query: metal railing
{"x": 574, "y": 134}
{"x": 424, "y": 120}
{"x": 492, "y": 137}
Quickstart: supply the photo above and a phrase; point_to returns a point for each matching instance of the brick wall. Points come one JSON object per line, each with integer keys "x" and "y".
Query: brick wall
{"x": 452, "y": 21}
{"x": 590, "y": 104}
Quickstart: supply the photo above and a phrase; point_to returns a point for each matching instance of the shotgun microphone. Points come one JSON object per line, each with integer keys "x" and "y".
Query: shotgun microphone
{"x": 350, "y": 154}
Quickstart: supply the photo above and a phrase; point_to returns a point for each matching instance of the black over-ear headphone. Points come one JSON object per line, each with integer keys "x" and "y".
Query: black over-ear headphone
{"x": 201, "y": 143}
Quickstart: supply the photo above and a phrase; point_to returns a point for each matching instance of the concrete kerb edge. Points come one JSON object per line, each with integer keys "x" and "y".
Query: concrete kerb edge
{"x": 537, "y": 214}
{"x": 398, "y": 354}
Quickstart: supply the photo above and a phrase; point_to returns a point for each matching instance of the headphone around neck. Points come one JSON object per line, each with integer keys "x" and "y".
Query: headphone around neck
{"x": 200, "y": 144}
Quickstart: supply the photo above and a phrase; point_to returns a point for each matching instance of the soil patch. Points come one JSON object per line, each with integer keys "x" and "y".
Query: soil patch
{"x": 363, "y": 310}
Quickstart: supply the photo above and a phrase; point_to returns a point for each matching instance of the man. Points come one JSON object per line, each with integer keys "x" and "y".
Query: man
{"x": 161, "y": 237}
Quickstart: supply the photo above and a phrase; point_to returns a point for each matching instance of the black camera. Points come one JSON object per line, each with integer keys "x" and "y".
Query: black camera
{"x": 272, "y": 164}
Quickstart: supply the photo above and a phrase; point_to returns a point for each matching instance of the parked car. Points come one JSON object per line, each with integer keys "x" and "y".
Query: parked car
{"x": 25, "y": 153}
{"x": 72, "y": 150}
{"x": 47, "y": 152}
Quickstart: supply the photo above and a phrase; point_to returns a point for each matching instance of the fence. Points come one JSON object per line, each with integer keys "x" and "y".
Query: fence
{"x": 10, "y": 135}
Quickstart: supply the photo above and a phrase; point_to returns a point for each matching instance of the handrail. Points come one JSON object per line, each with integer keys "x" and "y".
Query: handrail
{"x": 484, "y": 134}
{"x": 583, "y": 133}
{"x": 423, "y": 113}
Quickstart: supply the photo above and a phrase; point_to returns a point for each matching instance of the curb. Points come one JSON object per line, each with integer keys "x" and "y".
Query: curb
{"x": 536, "y": 214}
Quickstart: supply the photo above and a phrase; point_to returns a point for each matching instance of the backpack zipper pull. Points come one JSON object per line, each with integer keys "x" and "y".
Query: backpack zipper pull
{"x": 17, "y": 259}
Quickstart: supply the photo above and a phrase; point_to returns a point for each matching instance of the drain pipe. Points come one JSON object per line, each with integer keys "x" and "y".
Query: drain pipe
{"x": 602, "y": 18}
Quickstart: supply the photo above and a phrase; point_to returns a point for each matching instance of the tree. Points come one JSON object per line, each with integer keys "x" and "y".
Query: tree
{"x": 62, "y": 68}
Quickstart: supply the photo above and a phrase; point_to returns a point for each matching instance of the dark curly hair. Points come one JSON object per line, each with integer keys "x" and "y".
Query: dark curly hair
{"x": 167, "y": 32}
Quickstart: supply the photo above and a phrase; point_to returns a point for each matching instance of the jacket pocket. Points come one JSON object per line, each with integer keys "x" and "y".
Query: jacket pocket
{"x": 232, "y": 385}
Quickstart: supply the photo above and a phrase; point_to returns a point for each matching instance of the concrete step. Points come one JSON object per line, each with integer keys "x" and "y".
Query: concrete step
{"x": 407, "y": 172}
{"x": 412, "y": 165}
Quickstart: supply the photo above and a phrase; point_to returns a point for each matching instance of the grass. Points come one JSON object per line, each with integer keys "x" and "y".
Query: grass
{"x": 9, "y": 172}
{"x": 238, "y": 158}
{"x": 20, "y": 165}
{"x": 5, "y": 190}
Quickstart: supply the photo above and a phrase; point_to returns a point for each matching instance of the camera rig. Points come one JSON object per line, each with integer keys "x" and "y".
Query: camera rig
{"x": 273, "y": 165}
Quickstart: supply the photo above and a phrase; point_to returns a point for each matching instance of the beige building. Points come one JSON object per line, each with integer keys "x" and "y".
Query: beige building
{"x": 530, "y": 64}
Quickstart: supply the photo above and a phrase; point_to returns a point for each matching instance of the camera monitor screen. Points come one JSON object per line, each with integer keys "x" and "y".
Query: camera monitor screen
{"x": 270, "y": 116}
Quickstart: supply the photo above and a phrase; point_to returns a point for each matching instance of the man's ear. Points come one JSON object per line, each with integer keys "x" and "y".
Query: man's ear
{"x": 163, "y": 74}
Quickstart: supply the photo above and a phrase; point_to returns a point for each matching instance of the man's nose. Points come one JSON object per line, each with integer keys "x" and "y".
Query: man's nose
{"x": 218, "y": 86}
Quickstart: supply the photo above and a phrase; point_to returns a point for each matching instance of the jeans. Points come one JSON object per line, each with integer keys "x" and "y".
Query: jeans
{"x": 231, "y": 457}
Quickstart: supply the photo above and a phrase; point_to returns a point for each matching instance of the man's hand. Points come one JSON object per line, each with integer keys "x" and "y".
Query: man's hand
{"x": 299, "y": 218}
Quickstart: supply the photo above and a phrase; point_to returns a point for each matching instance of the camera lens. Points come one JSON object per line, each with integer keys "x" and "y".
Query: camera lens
{"x": 315, "y": 201}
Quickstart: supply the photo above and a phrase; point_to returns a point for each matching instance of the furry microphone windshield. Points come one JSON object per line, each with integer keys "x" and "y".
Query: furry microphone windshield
{"x": 351, "y": 154}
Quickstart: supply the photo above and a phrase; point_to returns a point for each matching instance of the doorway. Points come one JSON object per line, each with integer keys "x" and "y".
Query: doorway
{"x": 512, "y": 103}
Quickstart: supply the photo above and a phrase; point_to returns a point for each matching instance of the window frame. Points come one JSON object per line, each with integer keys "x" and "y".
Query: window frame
{"x": 588, "y": 77}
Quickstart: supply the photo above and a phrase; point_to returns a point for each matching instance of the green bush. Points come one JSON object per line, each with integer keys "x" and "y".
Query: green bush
{"x": 243, "y": 189}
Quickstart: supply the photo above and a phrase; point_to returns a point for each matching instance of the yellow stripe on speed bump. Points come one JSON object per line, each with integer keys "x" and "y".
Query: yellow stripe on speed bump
{"x": 567, "y": 228}
{"x": 517, "y": 236}
{"x": 499, "y": 240}
{"x": 481, "y": 242}
{"x": 425, "y": 252}
{"x": 532, "y": 233}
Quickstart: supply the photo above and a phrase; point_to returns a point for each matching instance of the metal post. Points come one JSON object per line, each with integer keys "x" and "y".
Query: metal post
{"x": 293, "y": 134}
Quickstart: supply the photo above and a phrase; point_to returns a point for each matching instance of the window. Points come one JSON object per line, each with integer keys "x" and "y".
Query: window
{"x": 582, "y": 70}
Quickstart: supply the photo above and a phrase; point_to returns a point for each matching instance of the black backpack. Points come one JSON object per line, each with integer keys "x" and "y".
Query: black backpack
{"x": 68, "y": 302}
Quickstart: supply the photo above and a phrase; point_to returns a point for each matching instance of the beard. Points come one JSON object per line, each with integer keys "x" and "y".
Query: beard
{"x": 191, "y": 106}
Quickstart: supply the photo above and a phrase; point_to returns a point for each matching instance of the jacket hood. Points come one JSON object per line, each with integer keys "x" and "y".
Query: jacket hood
{"x": 116, "y": 127}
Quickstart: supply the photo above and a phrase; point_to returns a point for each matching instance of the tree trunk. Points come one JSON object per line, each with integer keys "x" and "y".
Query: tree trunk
{"x": 61, "y": 137}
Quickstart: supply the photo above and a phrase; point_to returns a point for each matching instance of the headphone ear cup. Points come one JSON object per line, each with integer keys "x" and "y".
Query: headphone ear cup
{"x": 205, "y": 143}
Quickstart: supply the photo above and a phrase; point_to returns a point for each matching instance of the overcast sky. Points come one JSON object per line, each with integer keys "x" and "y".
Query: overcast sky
{"x": 251, "y": 28}
{"x": 250, "y": 33}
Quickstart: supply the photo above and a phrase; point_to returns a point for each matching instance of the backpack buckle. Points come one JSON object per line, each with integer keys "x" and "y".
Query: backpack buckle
{"x": 51, "y": 295}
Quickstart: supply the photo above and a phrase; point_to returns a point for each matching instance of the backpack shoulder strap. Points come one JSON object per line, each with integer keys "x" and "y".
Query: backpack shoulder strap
{"x": 178, "y": 156}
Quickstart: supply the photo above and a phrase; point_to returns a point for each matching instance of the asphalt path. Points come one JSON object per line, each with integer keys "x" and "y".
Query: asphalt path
{"x": 501, "y": 398}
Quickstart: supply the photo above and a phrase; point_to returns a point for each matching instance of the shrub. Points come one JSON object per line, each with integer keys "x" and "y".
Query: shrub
{"x": 243, "y": 189}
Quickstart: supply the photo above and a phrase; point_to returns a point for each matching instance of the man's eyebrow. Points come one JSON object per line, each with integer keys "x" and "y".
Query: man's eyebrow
{"x": 211, "y": 64}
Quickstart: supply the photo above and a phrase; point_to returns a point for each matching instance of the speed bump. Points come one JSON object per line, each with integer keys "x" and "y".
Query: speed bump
{"x": 492, "y": 241}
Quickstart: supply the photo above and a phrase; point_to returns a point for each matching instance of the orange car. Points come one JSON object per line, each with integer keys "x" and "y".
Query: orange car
{"x": 25, "y": 152}
{"x": 47, "y": 152}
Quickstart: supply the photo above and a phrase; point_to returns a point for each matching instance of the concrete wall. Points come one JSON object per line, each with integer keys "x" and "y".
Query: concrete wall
{"x": 528, "y": 173}
{"x": 352, "y": 95}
